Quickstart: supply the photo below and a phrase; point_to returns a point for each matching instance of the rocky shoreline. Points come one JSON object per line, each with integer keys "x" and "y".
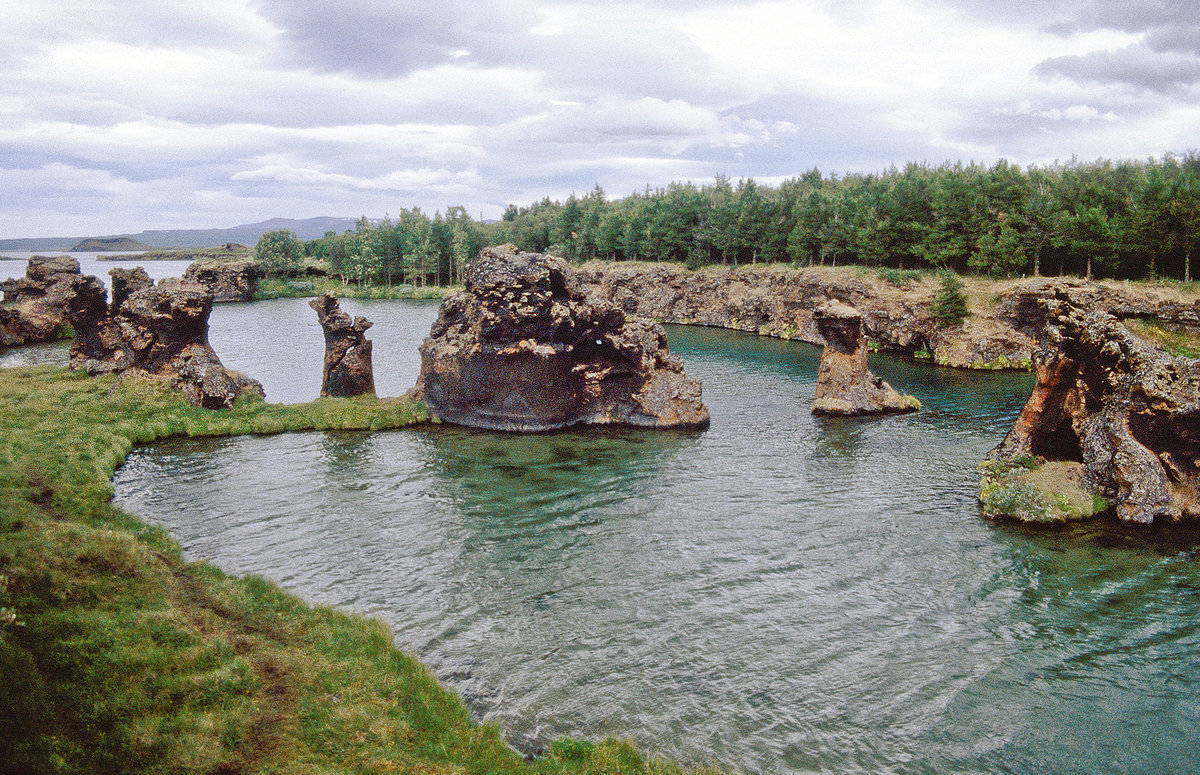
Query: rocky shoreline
{"x": 780, "y": 301}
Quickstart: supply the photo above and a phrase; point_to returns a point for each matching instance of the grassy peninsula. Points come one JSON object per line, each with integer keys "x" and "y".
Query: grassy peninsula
{"x": 231, "y": 251}
{"x": 117, "y": 655}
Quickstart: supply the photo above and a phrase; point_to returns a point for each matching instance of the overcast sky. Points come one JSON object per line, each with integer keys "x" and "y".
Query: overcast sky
{"x": 126, "y": 115}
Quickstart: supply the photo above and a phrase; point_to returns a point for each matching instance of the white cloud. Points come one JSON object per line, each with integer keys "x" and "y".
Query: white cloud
{"x": 1071, "y": 113}
{"x": 144, "y": 114}
{"x": 406, "y": 181}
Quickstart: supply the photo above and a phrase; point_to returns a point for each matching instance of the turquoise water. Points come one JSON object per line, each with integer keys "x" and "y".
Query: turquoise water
{"x": 780, "y": 593}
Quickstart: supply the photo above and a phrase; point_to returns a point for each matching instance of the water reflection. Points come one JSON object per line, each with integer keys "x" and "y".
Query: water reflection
{"x": 508, "y": 477}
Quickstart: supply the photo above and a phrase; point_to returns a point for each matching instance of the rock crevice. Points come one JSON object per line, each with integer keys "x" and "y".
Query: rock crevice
{"x": 1127, "y": 413}
{"x": 348, "y": 370}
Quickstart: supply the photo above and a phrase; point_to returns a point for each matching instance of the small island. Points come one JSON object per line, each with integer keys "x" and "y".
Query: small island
{"x": 107, "y": 245}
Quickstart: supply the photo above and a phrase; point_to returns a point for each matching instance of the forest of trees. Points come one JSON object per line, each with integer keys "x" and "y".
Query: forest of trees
{"x": 1129, "y": 219}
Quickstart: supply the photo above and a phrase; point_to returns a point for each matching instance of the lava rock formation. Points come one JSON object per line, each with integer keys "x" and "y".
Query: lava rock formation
{"x": 521, "y": 349}
{"x": 1126, "y": 412}
{"x": 347, "y": 370}
{"x": 160, "y": 330}
{"x": 845, "y": 386}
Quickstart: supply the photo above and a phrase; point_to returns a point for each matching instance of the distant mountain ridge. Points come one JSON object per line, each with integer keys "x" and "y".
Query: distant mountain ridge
{"x": 247, "y": 234}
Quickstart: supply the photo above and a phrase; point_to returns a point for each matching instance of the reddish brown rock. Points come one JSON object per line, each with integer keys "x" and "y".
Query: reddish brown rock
{"x": 28, "y": 322}
{"x": 160, "y": 330}
{"x": 522, "y": 350}
{"x": 845, "y": 386}
{"x": 348, "y": 370}
{"x": 1126, "y": 412}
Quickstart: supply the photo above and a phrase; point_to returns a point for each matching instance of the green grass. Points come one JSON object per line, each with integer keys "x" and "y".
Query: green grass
{"x": 901, "y": 278}
{"x": 1175, "y": 340}
{"x": 1028, "y": 489}
{"x": 277, "y": 288}
{"x": 117, "y": 656}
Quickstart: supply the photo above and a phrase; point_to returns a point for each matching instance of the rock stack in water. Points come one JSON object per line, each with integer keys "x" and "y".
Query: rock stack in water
{"x": 521, "y": 349}
{"x": 845, "y": 386}
{"x": 228, "y": 280}
{"x": 35, "y": 308}
{"x": 160, "y": 330}
{"x": 348, "y": 370}
{"x": 1124, "y": 415}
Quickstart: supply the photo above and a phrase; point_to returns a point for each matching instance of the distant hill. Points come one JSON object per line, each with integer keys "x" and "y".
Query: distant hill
{"x": 107, "y": 245}
{"x": 247, "y": 234}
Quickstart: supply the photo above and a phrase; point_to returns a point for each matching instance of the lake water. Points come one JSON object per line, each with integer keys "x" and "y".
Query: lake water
{"x": 780, "y": 593}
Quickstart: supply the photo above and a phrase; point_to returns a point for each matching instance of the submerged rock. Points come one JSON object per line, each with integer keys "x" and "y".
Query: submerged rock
{"x": 36, "y": 308}
{"x": 160, "y": 330}
{"x": 227, "y": 280}
{"x": 348, "y": 370}
{"x": 1123, "y": 413}
{"x": 521, "y": 349}
{"x": 845, "y": 386}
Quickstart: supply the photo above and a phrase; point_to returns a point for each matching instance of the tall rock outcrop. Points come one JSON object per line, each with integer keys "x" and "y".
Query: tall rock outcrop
{"x": 845, "y": 386}
{"x": 347, "y": 370}
{"x": 227, "y": 280}
{"x": 521, "y": 349}
{"x": 1123, "y": 415}
{"x": 160, "y": 330}
{"x": 35, "y": 308}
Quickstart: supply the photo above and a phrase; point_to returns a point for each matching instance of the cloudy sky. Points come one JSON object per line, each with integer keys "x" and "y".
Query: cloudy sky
{"x": 125, "y": 115}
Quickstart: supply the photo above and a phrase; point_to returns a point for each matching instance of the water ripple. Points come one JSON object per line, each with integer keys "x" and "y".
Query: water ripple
{"x": 781, "y": 593}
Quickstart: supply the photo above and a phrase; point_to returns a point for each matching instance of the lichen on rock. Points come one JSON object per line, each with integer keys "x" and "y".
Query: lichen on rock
{"x": 845, "y": 385}
{"x": 521, "y": 349}
{"x": 348, "y": 370}
{"x": 35, "y": 307}
{"x": 1125, "y": 413}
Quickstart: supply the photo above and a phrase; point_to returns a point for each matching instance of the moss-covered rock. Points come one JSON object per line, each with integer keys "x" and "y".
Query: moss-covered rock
{"x": 1033, "y": 490}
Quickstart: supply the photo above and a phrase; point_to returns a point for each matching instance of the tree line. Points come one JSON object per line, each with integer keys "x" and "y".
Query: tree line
{"x": 1128, "y": 219}
{"x": 411, "y": 249}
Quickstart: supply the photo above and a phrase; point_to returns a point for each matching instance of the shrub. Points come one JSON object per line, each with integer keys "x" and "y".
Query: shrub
{"x": 901, "y": 278}
{"x": 950, "y": 306}
{"x": 279, "y": 251}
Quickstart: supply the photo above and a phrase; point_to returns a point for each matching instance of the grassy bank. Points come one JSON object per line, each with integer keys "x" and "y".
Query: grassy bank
{"x": 116, "y": 655}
